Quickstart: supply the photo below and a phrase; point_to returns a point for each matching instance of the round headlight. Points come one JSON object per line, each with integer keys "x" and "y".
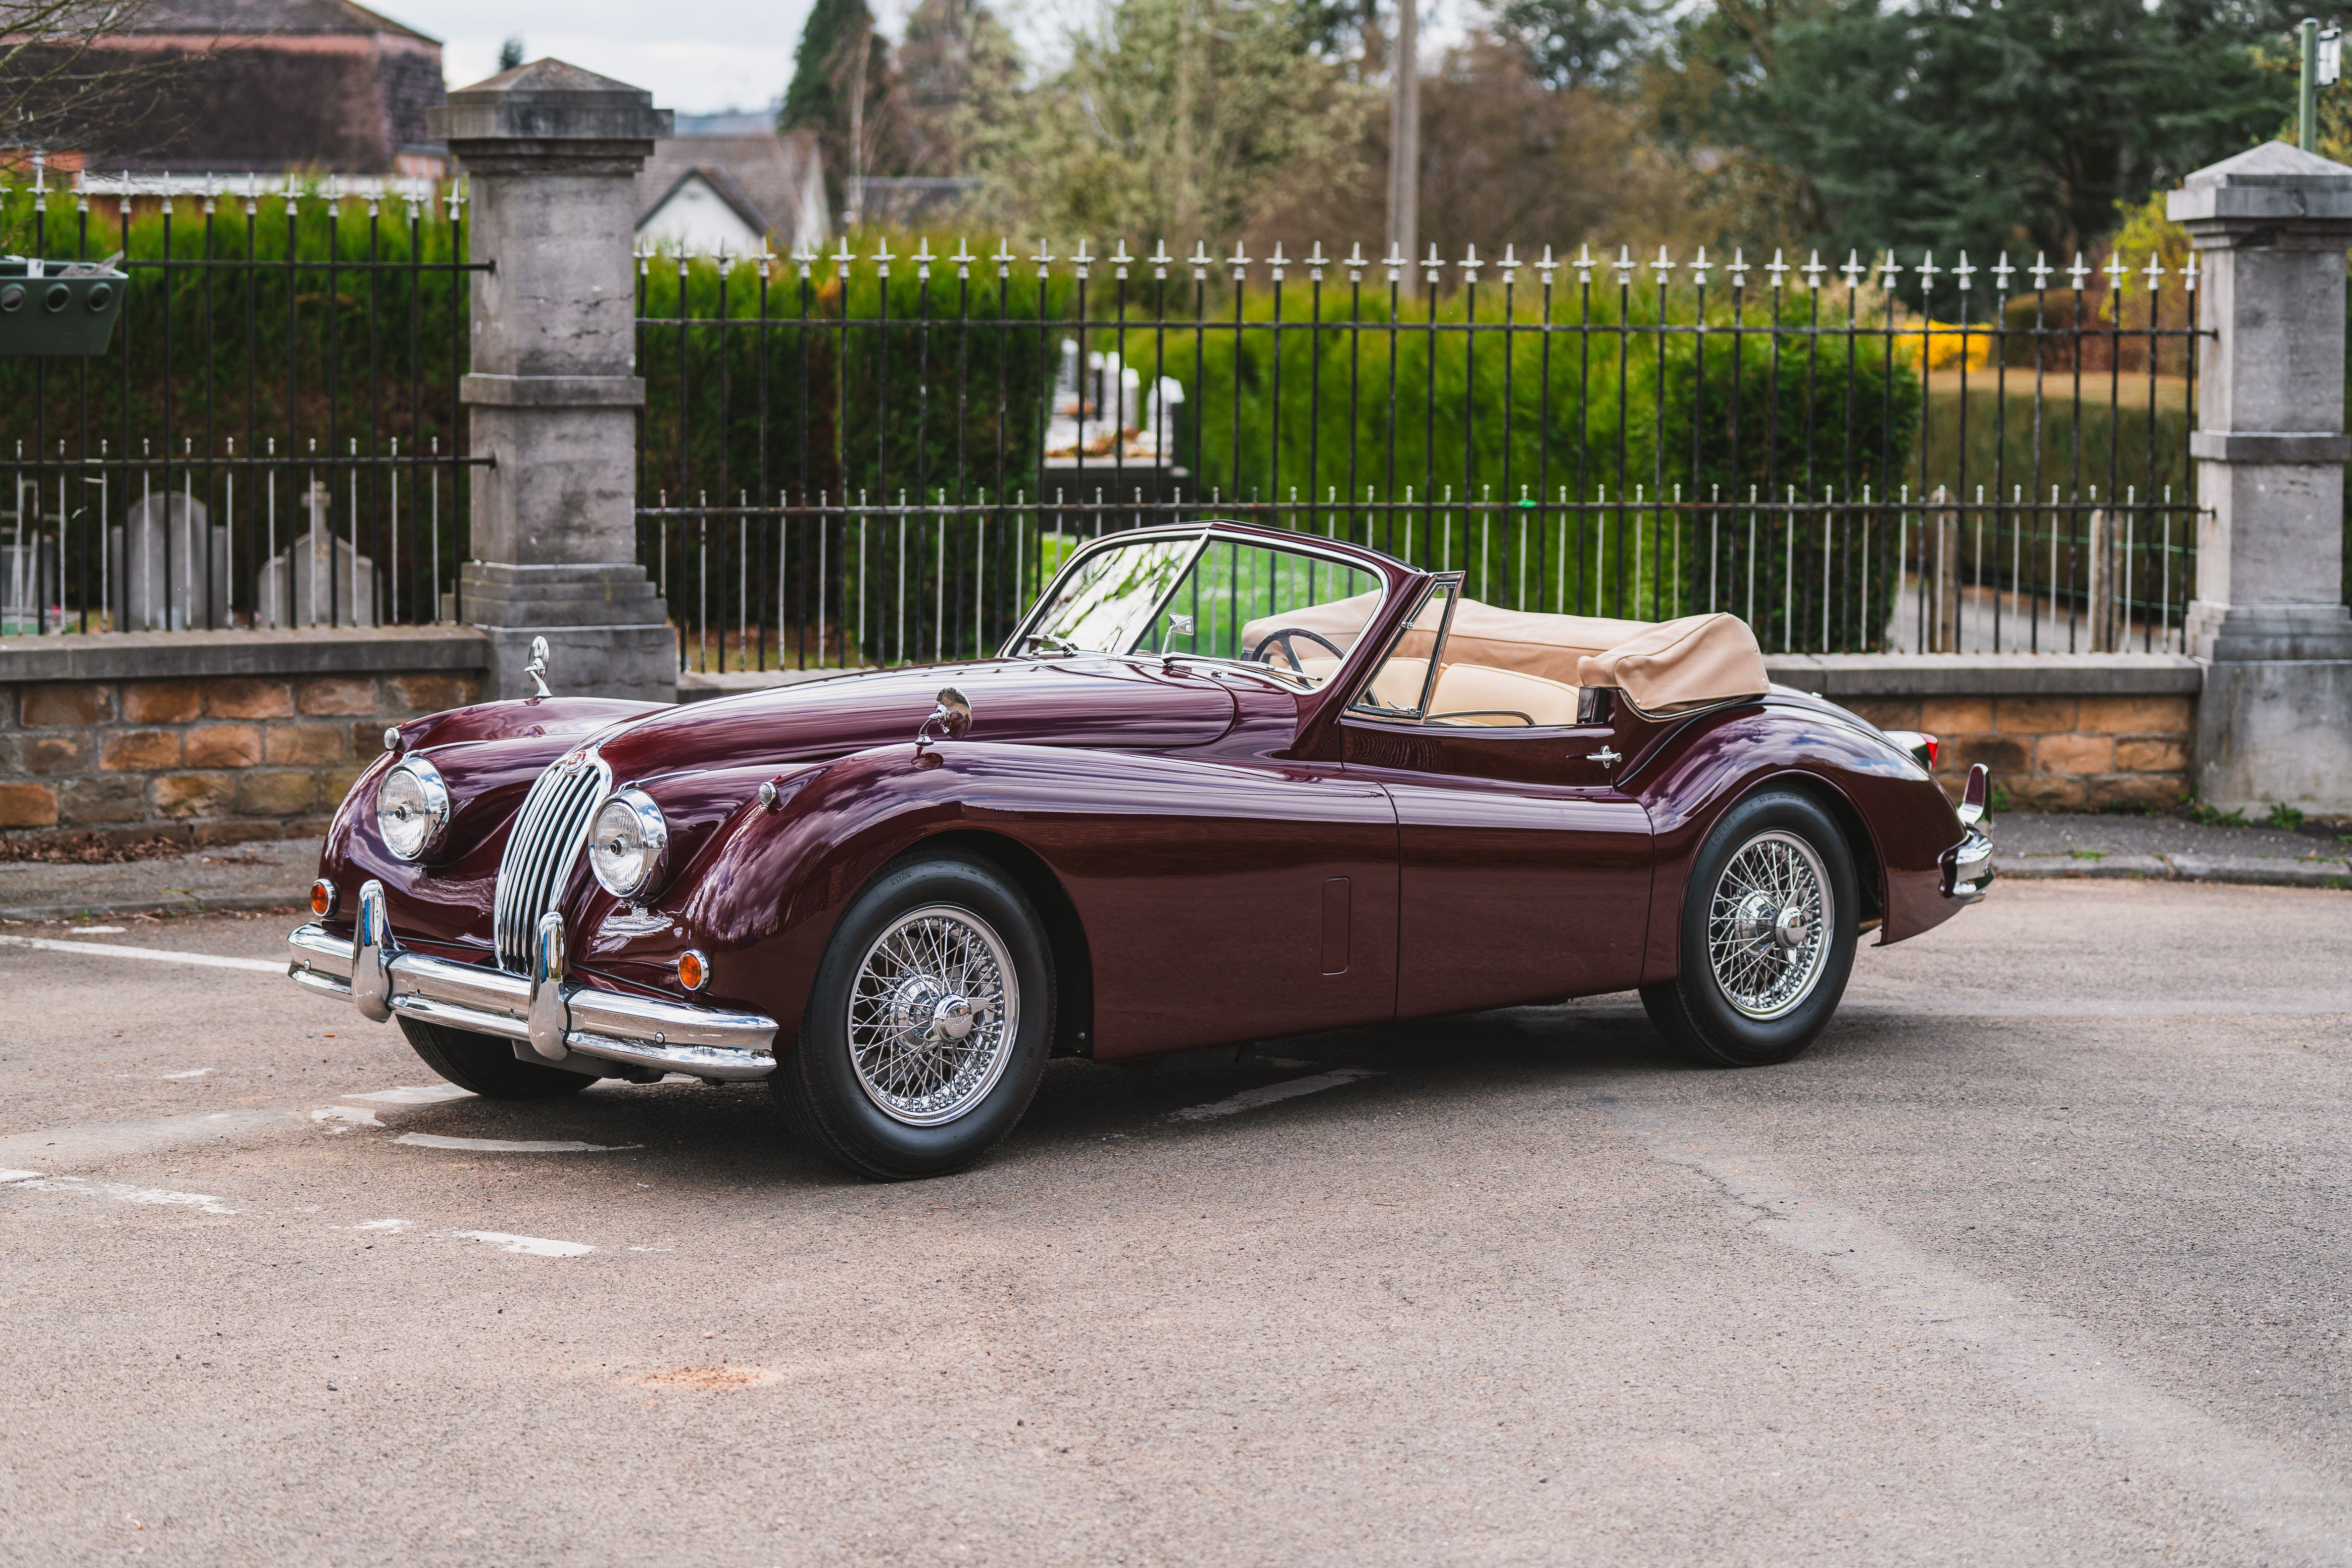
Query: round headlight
{"x": 411, "y": 808}
{"x": 628, "y": 848}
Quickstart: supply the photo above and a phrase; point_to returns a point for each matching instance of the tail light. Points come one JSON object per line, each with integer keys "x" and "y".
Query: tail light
{"x": 1920, "y": 745}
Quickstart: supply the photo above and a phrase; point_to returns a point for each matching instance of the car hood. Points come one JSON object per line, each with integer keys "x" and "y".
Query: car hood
{"x": 1122, "y": 704}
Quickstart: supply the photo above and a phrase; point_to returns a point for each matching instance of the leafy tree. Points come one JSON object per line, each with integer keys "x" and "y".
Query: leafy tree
{"x": 959, "y": 87}
{"x": 511, "y": 54}
{"x": 1177, "y": 119}
{"x": 1583, "y": 42}
{"x": 841, "y": 90}
{"x": 1958, "y": 123}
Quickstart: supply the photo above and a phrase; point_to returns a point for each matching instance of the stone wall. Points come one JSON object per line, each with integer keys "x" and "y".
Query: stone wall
{"x": 2056, "y": 754}
{"x": 2057, "y": 731}
{"x": 259, "y": 738}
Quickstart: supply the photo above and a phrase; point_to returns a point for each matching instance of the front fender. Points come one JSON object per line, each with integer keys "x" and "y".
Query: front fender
{"x": 764, "y": 893}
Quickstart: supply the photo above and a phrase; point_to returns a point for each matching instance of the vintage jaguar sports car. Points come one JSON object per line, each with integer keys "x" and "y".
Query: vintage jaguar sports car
{"x": 1223, "y": 784}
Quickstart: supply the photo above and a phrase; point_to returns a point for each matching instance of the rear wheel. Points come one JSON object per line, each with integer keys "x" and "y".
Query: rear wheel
{"x": 926, "y": 1033}
{"x": 487, "y": 1064}
{"x": 1769, "y": 925}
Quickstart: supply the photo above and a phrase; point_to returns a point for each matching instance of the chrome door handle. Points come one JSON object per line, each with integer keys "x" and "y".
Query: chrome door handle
{"x": 1605, "y": 757}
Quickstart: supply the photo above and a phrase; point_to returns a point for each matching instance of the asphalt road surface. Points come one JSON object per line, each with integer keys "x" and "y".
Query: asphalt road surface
{"x": 2039, "y": 1256}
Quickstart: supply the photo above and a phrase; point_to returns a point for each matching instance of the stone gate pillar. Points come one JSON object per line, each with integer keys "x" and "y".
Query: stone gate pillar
{"x": 2269, "y": 623}
{"x": 551, "y": 153}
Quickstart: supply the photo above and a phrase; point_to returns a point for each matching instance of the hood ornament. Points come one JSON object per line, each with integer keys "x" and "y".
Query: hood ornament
{"x": 537, "y": 667}
{"x": 951, "y": 718}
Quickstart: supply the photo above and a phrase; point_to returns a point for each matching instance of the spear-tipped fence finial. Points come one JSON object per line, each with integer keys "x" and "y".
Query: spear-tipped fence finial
{"x": 1700, "y": 268}
{"x": 1160, "y": 258}
{"x": 1777, "y": 268}
{"x": 1625, "y": 265}
{"x": 2076, "y": 273}
{"x": 1738, "y": 266}
{"x": 1853, "y": 270}
{"x": 2001, "y": 273}
{"x": 1469, "y": 264}
{"x": 1812, "y": 270}
{"x": 1964, "y": 271}
{"x": 1662, "y": 271}
{"x": 2155, "y": 271}
{"x": 2040, "y": 270}
{"x": 1276, "y": 261}
{"x": 1239, "y": 261}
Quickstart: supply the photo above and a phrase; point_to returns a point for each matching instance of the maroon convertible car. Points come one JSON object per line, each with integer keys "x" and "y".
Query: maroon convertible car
{"x": 1223, "y": 784}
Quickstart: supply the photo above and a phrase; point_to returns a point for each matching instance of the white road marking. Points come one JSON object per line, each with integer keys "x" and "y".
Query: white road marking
{"x": 508, "y": 1146}
{"x": 394, "y": 1226}
{"x": 18, "y": 1175}
{"x": 124, "y": 1193}
{"x": 160, "y": 955}
{"x": 350, "y": 1116}
{"x": 98, "y": 931}
{"x": 420, "y": 1094}
{"x": 192, "y": 1072}
{"x": 1251, "y": 1098}
{"x": 536, "y": 1247}
{"x": 2028, "y": 1347}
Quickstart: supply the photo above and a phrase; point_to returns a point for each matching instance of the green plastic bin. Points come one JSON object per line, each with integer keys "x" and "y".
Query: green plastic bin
{"x": 57, "y": 307}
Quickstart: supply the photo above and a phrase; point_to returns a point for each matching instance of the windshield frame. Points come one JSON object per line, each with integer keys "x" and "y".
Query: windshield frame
{"x": 1384, "y": 571}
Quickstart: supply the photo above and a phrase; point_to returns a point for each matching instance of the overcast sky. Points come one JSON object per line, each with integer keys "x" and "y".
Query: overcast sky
{"x": 702, "y": 56}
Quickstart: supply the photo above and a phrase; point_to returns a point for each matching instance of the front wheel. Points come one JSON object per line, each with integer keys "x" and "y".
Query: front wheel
{"x": 926, "y": 1033}
{"x": 1769, "y": 923}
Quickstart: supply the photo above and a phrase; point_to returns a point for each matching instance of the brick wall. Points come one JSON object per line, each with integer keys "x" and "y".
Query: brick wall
{"x": 2055, "y": 752}
{"x": 210, "y": 759}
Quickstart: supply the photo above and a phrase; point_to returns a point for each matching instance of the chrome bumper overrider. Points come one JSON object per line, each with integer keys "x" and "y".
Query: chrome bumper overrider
{"x": 549, "y": 1015}
{"x": 1968, "y": 864}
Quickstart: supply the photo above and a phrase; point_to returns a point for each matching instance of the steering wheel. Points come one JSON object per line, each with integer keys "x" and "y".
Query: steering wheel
{"x": 1282, "y": 639}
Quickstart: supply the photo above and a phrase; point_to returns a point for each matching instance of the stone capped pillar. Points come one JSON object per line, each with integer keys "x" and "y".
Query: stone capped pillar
{"x": 552, "y": 152}
{"x": 2275, "y": 723}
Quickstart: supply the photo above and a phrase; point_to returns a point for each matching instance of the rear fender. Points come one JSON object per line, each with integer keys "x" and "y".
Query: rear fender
{"x": 1897, "y": 820}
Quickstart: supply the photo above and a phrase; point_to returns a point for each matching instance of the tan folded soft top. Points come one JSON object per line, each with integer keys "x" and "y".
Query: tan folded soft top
{"x": 1663, "y": 667}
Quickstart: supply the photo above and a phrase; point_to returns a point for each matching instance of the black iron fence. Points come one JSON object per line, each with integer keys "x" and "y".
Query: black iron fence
{"x": 272, "y": 437}
{"x": 879, "y": 454}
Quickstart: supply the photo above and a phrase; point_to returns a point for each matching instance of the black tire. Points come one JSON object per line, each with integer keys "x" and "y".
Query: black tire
{"x": 826, "y": 1100}
{"x": 487, "y": 1064}
{"x": 1696, "y": 1010}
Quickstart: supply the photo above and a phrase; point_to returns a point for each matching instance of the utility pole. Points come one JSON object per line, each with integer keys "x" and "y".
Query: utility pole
{"x": 1404, "y": 137}
{"x": 2306, "y": 120}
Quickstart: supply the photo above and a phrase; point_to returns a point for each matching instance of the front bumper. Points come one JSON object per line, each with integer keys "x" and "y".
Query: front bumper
{"x": 547, "y": 1016}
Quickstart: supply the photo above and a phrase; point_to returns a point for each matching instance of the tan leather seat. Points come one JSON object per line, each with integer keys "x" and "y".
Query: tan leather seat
{"x": 1484, "y": 695}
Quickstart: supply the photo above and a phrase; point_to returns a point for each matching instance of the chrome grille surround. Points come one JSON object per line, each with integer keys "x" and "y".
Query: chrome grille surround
{"x": 545, "y": 843}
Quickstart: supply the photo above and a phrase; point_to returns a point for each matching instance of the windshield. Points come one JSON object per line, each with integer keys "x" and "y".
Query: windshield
{"x": 1295, "y": 613}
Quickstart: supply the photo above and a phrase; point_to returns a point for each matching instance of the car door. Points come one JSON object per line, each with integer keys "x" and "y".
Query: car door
{"x": 1523, "y": 869}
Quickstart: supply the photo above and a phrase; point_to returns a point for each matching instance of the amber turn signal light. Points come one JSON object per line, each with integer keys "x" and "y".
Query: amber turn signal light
{"x": 322, "y": 897}
{"x": 693, "y": 969}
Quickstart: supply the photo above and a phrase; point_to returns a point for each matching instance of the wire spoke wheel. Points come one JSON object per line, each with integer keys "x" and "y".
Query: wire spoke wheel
{"x": 933, "y": 1012}
{"x": 1769, "y": 924}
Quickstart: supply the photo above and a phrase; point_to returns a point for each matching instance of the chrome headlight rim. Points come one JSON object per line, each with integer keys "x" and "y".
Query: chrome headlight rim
{"x": 652, "y": 830}
{"x": 433, "y": 792}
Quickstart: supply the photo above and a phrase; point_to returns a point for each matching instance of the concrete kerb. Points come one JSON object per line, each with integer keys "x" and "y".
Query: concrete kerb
{"x": 2242, "y": 870}
{"x": 101, "y": 909}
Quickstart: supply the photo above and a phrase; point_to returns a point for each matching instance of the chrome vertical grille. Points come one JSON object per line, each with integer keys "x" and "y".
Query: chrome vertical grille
{"x": 548, "y": 836}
